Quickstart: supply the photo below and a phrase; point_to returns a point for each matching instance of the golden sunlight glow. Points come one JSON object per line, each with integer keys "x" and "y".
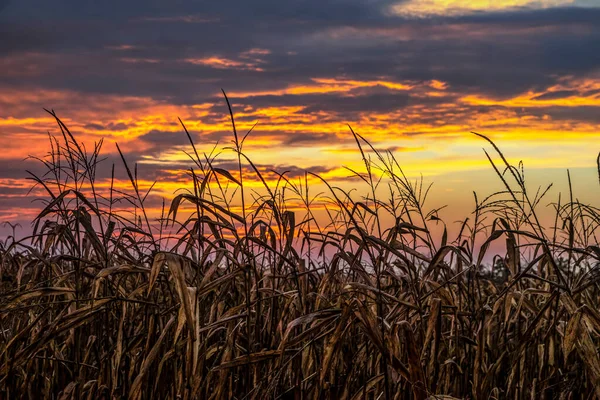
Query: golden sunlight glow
{"x": 423, "y": 8}
{"x": 250, "y": 60}
{"x": 438, "y": 85}
{"x": 330, "y": 85}
{"x": 428, "y": 139}
{"x": 223, "y": 63}
{"x": 570, "y": 93}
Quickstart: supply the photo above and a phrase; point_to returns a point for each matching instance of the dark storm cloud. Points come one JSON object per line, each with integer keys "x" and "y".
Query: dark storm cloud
{"x": 3, "y": 3}
{"x": 237, "y": 10}
{"x": 107, "y": 127}
{"x": 370, "y": 102}
{"x": 583, "y": 114}
{"x": 175, "y": 28}
{"x": 16, "y": 168}
{"x": 304, "y": 40}
{"x": 304, "y": 138}
{"x": 18, "y": 38}
{"x": 555, "y": 95}
{"x": 535, "y": 17}
{"x": 291, "y": 171}
{"x": 161, "y": 138}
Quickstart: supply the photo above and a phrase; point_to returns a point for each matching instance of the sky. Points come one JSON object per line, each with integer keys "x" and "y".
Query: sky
{"x": 414, "y": 77}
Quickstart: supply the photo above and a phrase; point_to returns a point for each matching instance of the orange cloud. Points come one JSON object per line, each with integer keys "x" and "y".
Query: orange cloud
{"x": 250, "y": 60}
{"x": 327, "y": 85}
{"x": 223, "y": 63}
{"x": 569, "y": 93}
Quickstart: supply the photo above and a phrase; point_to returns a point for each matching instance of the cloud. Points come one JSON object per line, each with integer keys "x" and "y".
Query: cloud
{"x": 188, "y": 63}
{"x": 428, "y": 8}
{"x": 560, "y": 94}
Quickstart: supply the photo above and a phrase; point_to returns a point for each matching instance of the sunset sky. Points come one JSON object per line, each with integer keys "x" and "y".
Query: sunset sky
{"x": 413, "y": 76}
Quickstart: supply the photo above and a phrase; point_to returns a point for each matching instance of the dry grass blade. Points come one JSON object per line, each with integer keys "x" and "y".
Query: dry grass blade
{"x": 253, "y": 358}
{"x": 417, "y": 377}
{"x": 227, "y": 175}
{"x": 47, "y": 291}
{"x": 175, "y": 265}
{"x": 571, "y": 334}
{"x": 136, "y": 387}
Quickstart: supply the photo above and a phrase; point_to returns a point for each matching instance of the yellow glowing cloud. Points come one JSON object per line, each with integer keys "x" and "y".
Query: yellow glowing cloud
{"x": 250, "y": 60}
{"x": 575, "y": 93}
{"x": 529, "y": 100}
{"x": 10, "y": 121}
{"x": 329, "y": 85}
{"x": 438, "y": 85}
{"x": 223, "y": 63}
{"x": 422, "y": 8}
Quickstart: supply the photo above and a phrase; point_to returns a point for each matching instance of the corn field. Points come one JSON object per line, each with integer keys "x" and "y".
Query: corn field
{"x": 239, "y": 294}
